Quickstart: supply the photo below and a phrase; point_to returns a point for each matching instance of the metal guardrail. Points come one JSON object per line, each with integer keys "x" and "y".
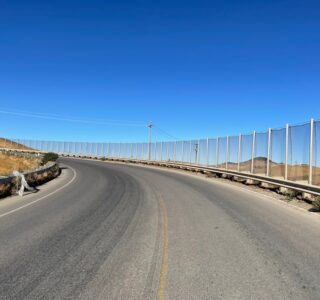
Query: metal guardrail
{"x": 300, "y": 187}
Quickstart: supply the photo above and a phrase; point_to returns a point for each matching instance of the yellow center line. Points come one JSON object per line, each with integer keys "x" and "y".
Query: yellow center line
{"x": 165, "y": 256}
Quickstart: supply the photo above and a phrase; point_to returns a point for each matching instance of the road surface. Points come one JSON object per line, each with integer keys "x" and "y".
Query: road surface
{"x": 116, "y": 231}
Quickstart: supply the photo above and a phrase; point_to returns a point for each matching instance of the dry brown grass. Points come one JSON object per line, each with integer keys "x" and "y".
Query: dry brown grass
{"x": 8, "y": 144}
{"x": 10, "y": 163}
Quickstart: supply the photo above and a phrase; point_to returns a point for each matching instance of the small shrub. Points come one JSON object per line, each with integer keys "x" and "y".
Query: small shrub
{"x": 316, "y": 203}
{"x": 50, "y": 156}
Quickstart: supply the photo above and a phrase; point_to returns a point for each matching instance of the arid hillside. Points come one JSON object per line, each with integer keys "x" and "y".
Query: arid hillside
{"x": 5, "y": 143}
{"x": 10, "y": 163}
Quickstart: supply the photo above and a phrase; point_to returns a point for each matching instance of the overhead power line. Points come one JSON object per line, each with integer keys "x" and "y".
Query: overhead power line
{"x": 72, "y": 119}
{"x": 164, "y": 132}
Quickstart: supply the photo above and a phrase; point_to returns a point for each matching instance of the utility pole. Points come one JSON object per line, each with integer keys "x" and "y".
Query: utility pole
{"x": 150, "y": 125}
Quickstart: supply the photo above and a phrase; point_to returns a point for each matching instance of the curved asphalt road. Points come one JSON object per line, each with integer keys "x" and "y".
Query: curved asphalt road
{"x": 115, "y": 231}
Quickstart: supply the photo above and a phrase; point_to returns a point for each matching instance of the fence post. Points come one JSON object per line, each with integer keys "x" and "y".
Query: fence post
{"x": 217, "y": 153}
{"x": 175, "y": 151}
{"x": 311, "y": 150}
{"x": 198, "y": 154}
{"x": 227, "y": 152}
{"x": 269, "y": 152}
{"x": 168, "y": 146}
{"x": 161, "y": 147}
{"x": 253, "y": 150}
{"x": 239, "y": 150}
{"x": 190, "y": 152}
{"x": 287, "y": 153}
{"x": 207, "y": 152}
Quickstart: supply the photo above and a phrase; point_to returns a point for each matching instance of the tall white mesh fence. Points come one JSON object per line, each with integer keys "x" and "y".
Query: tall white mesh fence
{"x": 285, "y": 153}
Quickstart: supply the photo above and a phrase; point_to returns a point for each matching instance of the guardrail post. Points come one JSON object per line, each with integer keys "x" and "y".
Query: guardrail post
{"x": 311, "y": 151}
{"x": 253, "y": 150}
{"x": 217, "y": 152}
{"x": 269, "y": 152}
{"x": 227, "y": 152}
{"x": 239, "y": 151}
{"x": 287, "y": 153}
{"x": 207, "y": 152}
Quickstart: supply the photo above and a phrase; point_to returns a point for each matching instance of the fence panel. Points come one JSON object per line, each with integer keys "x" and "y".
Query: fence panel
{"x": 203, "y": 158}
{"x": 134, "y": 151}
{"x": 299, "y": 152}
{"x": 246, "y": 152}
{"x": 261, "y": 153}
{"x": 233, "y": 153}
{"x": 278, "y": 153}
{"x": 179, "y": 145}
{"x": 128, "y": 150}
{"x": 222, "y": 151}
{"x": 158, "y": 151}
{"x": 165, "y": 151}
{"x": 186, "y": 151}
{"x": 212, "y": 152}
{"x": 152, "y": 151}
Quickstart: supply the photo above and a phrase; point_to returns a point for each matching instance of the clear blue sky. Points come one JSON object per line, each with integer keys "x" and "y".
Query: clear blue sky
{"x": 195, "y": 68}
